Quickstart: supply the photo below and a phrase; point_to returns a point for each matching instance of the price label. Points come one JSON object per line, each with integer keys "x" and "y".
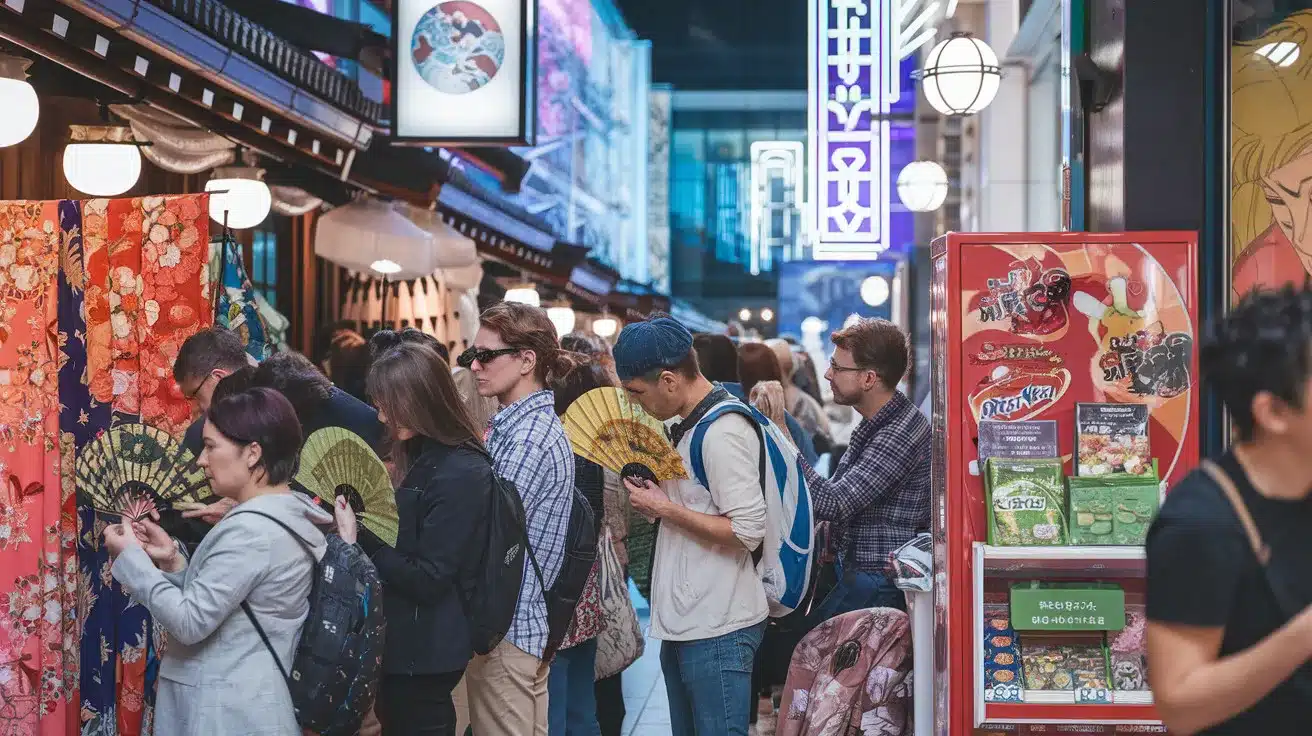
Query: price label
{"x": 1092, "y": 696}
{"x": 1004, "y": 693}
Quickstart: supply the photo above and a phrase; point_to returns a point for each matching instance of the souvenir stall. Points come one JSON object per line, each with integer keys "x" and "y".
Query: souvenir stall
{"x": 1065, "y": 404}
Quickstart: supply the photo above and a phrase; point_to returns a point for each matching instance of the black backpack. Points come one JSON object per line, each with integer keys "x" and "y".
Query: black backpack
{"x": 580, "y": 554}
{"x": 339, "y": 659}
{"x": 491, "y": 596}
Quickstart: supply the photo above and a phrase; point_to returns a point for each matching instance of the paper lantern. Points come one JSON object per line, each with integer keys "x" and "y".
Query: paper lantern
{"x": 875, "y": 291}
{"x": 563, "y": 318}
{"x": 369, "y": 232}
{"x": 605, "y": 327}
{"x": 961, "y": 75}
{"x": 18, "y": 99}
{"x": 101, "y": 160}
{"x": 525, "y": 294}
{"x": 239, "y": 197}
{"x": 922, "y": 186}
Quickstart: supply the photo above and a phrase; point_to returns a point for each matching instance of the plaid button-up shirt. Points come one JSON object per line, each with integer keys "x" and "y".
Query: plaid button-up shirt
{"x": 878, "y": 498}
{"x": 529, "y": 448}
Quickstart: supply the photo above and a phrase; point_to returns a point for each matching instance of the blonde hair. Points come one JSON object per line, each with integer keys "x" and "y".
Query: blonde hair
{"x": 1270, "y": 119}
{"x": 768, "y": 398}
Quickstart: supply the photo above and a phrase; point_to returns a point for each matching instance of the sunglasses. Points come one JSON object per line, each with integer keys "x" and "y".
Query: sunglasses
{"x": 482, "y": 355}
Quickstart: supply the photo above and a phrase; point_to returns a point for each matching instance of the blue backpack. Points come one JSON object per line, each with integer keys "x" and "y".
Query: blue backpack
{"x": 784, "y": 560}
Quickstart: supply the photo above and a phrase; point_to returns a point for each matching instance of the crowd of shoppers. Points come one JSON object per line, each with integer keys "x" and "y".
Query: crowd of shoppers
{"x": 446, "y": 435}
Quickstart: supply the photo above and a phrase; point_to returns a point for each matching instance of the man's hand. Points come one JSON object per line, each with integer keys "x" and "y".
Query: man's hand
{"x": 212, "y": 513}
{"x": 647, "y": 498}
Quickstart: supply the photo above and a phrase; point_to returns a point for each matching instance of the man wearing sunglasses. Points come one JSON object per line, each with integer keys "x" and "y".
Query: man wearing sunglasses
{"x": 878, "y": 497}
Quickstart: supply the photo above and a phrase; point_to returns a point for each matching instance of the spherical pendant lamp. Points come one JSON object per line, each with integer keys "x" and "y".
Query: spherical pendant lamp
{"x": 961, "y": 75}
{"x": 239, "y": 198}
{"x": 563, "y": 318}
{"x": 605, "y": 326}
{"x": 101, "y": 160}
{"x": 524, "y": 294}
{"x": 18, "y": 100}
{"x": 922, "y": 186}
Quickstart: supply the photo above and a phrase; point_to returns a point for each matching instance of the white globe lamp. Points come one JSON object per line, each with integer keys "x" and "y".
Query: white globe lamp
{"x": 961, "y": 75}
{"x": 524, "y": 294}
{"x": 563, "y": 318}
{"x": 18, "y": 99}
{"x": 922, "y": 186}
{"x": 745, "y": 315}
{"x": 239, "y": 198}
{"x": 101, "y": 160}
{"x": 875, "y": 291}
{"x": 767, "y": 315}
{"x": 813, "y": 325}
{"x": 605, "y": 327}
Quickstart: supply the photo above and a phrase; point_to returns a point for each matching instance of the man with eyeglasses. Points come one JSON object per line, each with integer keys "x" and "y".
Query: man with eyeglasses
{"x": 878, "y": 497}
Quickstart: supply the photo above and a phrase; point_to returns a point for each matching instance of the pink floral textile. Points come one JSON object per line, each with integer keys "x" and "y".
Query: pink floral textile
{"x": 852, "y": 674}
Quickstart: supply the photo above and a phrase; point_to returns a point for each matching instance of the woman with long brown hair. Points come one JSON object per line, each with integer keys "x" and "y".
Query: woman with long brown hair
{"x": 443, "y": 480}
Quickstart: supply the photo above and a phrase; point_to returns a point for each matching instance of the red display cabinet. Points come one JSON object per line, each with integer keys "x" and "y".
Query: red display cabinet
{"x": 1026, "y": 325}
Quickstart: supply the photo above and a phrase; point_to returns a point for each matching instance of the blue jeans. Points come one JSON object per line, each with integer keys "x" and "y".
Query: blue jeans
{"x": 709, "y": 682}
{"x": 854, "y": 591}
{"x": 571, "y": 694}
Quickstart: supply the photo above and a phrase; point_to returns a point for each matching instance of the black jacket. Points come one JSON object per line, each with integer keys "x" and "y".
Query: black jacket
{"x": 442, "y": 503}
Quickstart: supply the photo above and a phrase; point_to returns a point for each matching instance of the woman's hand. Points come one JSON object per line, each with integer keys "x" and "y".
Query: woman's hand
{"x": 119, "y": 537}
{"x": 212, "y": 513}
{"x": 158, "y": 544}
{"x": 347, "y": 528}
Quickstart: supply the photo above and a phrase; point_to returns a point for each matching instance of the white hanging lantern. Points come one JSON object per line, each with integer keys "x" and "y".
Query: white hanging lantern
{"x": 563, "y": 317}
{"x": 368, "y": 235}
{"x": 961, "y": 75}
{"x": 922, "y": 186}
{"x": 605, "y": 327}
{"x": 875, "y": 291}
{"x": 101, "y": 160}
{"x": 239, "y": 197}
{"x": 524, "y": 294}
{"x": 18, "y": 100}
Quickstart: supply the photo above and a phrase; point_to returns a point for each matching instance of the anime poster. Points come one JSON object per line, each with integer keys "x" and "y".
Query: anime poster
{"x": 1271, "y": 152}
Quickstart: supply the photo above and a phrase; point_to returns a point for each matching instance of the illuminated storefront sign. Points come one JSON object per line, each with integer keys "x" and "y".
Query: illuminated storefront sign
{"x": 856, "y": 50}
{"x": 776, "y": 196}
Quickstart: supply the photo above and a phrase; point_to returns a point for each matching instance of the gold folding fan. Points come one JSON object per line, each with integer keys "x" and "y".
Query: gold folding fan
{"x": 336, "y": 462}
{"x": 133, "y": 470}
{"x": 615, "y": 433}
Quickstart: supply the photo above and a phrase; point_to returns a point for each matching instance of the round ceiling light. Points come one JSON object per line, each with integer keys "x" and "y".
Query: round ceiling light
{"x": 961, "y": 75}
{"x": 745, "y": 315}
{"x": 525, "y": 294}
{"x": 767, "y": 314}
{"x": 922, "y": 186}
{"x": 101, "y": 160}
{"x": 875, "y": 291}
{"x": 605, "y": 327}
{"x": 18, "y": 99}
{"x": 239, "y": 198}
{"x": 563, "y": 318}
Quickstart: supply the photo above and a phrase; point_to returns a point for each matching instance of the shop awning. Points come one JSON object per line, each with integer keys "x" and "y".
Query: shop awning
{"x": 310, "y": 29}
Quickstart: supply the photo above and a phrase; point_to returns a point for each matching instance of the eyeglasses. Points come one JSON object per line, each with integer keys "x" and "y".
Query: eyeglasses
{"x": 846, "y": 369}
{"x": 482, "y": 355}
{"x": 191, "y": 395}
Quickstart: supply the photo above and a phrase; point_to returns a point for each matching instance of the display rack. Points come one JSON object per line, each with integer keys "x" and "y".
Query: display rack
{"x": 980, "y": 282}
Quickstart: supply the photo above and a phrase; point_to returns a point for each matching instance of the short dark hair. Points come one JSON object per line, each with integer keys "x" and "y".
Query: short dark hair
{"x": 385, "y": 340}
{"x": 1264, "y": 344}
{"x": 877, "y": 345}
{"x": 211, "y": 349}
{"x": 717, "y": 357}
{"x": 295, "y": 377}
{"x": 264, "y": 416}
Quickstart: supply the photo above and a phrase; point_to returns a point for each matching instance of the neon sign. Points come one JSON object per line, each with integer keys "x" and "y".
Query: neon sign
{"x": 856, "y": 49}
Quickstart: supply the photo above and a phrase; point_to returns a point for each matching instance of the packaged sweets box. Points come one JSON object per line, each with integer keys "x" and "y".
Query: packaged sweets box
{"x": 1111, "y": 438}
{"x": 1026, "y": 502}
{"x": 1001, "y": 651}
{"x": 1112, "y": 509}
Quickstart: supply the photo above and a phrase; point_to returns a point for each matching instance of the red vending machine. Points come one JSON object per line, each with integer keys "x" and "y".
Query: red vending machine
{"x": 1075, "y": 354}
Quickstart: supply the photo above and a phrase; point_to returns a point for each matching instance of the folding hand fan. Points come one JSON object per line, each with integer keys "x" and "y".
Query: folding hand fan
{"x": 335, "y": 462}
{"x": 608, "y": 429}
{"x": 134, "y": 469}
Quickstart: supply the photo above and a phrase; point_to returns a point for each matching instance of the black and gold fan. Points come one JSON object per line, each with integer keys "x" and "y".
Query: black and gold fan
{"x": 613, "y": 432}
{"x": 336, "y": 462}
{"x": 135, "y": 469}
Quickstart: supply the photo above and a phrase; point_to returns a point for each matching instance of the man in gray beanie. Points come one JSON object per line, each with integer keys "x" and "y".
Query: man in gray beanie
{"x": 707, "y": 602}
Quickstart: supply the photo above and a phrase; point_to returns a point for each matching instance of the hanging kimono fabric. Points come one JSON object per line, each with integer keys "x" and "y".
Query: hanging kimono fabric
{"x": 235, "y": 305}
{"x": 139, "y": 279}
{"x": 38, "y": 626}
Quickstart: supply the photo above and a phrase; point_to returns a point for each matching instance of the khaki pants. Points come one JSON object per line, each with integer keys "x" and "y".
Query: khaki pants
{"x": 507, "y": 693}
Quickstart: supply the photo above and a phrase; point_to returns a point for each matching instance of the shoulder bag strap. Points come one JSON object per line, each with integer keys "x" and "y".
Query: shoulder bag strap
{"x": 246, "y": 606}
{"x": 1227, "y": 486}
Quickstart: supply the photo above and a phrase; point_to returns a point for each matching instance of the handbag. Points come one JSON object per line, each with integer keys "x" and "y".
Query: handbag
{"x": 620, "y": 642}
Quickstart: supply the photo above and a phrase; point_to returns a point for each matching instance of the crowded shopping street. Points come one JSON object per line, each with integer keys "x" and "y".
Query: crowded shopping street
{"x": 632, "y": 368}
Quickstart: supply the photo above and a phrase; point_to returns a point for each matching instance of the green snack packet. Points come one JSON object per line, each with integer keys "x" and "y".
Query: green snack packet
{"x": 1112, "y": 509}
{"x": 1026, "y": 502}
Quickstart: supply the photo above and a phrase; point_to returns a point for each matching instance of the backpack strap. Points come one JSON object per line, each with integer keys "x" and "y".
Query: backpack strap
{"x": 246, "y": 606}
{"x": 1231, "y": 492}
{"x": 731, "y": 406}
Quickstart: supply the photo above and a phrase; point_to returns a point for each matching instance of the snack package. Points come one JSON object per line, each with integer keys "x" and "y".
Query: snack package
{"x": 1026, "y": 502}
{"x": 1128, "y": 662}
{"x": 1112, "y": 509}
{"x": 1063, "y": 662}
{"x": 1111, "y": 438}
{"x": 1001, "y": 649}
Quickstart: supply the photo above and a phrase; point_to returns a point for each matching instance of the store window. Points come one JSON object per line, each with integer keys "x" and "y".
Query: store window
{"x": 264, "y": 264}
{"x": 1271, "y": 144}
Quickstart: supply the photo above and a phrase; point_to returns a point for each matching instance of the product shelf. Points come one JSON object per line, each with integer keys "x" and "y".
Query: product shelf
{"x": 1081, "y": 561}
{"x": 1115, "y": 714}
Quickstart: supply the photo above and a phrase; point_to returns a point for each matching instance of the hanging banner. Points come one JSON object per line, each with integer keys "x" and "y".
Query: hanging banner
{"x": 465, "y": 72}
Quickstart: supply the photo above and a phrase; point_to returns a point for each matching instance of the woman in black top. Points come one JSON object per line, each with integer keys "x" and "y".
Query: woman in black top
{"x": 442, "y": 484}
